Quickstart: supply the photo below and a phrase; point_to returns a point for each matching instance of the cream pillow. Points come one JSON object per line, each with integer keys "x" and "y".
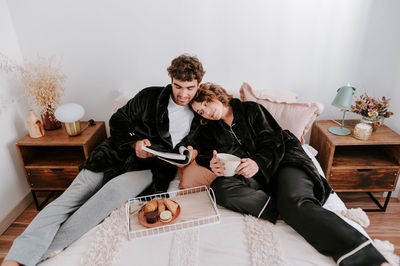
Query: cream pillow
{"x": 296, "y": 117}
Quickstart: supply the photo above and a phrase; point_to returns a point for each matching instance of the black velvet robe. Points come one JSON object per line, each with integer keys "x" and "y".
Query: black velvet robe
{"x": 144, "y": 117}
{"x": 255, "y": 134}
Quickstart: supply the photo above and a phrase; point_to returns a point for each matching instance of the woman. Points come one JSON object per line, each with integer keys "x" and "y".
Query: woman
{"x": 275, "y": 175}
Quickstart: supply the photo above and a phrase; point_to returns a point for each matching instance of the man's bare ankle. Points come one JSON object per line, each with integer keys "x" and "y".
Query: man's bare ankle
{"x": 10, "y": 263}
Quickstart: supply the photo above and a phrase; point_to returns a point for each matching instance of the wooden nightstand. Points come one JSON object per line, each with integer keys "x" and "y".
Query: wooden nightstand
{"x": 352, "y": 165}
{"x": 51, "y": 162}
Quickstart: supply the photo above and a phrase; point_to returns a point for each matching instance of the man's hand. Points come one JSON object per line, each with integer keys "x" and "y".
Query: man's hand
{"x": 248, "y": 168}
{"x": 217, "y": 165}
{"x": 137, "y": 146}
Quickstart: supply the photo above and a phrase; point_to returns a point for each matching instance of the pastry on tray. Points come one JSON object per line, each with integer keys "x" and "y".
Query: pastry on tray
{"x": 150, "y": 206}
{"x": 161, "y": 206}
{"x": 165, "y": 216}
{"x": 151, "y": 217}
{"x": 159, "y": 212}
{"x": 171, "y": 205}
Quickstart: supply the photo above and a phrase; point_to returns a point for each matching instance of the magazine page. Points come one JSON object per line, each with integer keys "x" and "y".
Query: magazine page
{"x": 168, "y": 155}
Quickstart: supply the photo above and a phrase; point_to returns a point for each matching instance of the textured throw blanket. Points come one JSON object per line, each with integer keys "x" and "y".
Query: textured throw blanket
{"x": 262, "y": 238}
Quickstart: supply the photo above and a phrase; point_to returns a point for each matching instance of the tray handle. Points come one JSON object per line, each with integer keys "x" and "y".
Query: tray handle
{"x": 213, "y": 198}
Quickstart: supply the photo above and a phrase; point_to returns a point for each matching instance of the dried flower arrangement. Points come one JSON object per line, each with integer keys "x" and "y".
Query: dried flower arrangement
{"x": 43, "y": 81}
{"x": 372, "y": 108}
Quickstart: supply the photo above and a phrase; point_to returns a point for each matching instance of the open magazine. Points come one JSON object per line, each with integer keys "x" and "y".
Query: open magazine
{"x": 182, "y": 158}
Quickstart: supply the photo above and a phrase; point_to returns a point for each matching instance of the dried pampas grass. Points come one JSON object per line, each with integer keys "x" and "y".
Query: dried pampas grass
{"x": 43, "y": 80}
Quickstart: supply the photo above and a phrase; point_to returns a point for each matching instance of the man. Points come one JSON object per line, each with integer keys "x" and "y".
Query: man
{"x": 156, "y": 116}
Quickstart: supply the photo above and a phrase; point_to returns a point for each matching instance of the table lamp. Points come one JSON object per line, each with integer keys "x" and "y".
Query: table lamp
{"x": 70, "y": 114}
{"x": 343, "y": 100}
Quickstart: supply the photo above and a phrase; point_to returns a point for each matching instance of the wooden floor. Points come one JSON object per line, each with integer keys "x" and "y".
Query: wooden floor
{"x": 383, "y": 226}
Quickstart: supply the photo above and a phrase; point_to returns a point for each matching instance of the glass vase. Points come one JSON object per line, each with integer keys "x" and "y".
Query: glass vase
{"x": 374, "y": 122}
{"x": 49, "y": 121}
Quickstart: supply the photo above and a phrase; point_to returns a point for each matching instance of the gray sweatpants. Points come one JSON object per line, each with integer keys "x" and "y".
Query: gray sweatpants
{"x": 81, "y": 207}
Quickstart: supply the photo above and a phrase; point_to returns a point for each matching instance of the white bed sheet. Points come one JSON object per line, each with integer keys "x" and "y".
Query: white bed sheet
{"x": 220, "y": 244}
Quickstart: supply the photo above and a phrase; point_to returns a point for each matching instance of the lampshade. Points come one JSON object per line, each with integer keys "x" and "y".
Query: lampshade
{"x": 344, "y": 97}
{"x": 343, "y": 100}
{"x": 69, "y": 112}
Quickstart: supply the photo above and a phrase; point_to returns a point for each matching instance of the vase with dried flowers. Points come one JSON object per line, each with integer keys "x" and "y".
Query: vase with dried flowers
{"x": 372, "y": 110}
{"x": 43, "y": 81}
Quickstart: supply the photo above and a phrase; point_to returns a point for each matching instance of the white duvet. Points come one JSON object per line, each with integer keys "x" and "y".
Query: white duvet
{"x": 219, "y": 244}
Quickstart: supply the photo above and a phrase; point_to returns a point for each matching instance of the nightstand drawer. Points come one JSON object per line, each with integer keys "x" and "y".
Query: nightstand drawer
{"x": 363, "y": 179}
{"x": 57, "y": 178}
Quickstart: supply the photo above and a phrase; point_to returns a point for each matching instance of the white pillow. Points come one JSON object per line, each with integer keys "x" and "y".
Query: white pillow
{"x": 123, "y": 97}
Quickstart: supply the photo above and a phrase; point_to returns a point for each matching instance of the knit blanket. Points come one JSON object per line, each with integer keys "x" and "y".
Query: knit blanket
{"x": 262, "y": 239}
{"x": 264, "y": 245}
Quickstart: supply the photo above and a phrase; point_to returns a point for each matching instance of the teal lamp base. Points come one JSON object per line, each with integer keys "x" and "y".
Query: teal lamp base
{"x": 342, "y": 131}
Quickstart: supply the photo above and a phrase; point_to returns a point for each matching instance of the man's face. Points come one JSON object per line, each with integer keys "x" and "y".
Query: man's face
{"x": 183, "y": 91}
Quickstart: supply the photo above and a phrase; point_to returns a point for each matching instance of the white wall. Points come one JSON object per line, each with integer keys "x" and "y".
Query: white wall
{"x": 13, "y": 186}
{"x": 311, "y": 47}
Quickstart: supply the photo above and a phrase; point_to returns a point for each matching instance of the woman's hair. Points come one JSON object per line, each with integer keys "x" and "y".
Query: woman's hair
{"x": 186, "y": 68}
{"x": 209, "y": 91}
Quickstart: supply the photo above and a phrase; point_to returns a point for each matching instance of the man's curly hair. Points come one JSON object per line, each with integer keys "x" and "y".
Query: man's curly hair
{"x": 186, "y": 68}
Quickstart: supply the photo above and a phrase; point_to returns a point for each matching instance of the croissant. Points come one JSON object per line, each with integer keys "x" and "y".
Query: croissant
{"x": 150, "y": 206}
{"x": 171, "y": 205}
{"x": 161, "y": 206}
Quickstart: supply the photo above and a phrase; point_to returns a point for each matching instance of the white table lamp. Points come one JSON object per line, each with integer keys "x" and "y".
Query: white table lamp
{"x": 70, "y": 114}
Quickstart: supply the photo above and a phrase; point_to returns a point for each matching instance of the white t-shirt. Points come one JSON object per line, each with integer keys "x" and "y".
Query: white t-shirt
{"x": 180, "y": 118}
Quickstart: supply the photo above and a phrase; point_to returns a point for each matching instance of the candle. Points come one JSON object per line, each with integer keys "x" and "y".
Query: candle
{"x": 362, "y": 131}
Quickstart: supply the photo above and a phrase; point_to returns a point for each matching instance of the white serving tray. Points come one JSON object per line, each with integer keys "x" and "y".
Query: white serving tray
{"x": 198, "y": 209}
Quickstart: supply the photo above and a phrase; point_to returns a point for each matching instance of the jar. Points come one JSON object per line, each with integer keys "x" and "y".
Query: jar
{"x": 375, "y": 122}
{"x": 362, "y": 131}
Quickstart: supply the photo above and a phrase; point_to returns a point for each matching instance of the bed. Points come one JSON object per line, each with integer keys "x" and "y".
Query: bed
{"x": 226, "y": 243}
{"x": 237, "y": 240}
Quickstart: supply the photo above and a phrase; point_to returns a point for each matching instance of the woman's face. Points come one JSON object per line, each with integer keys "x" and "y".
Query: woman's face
{"x": 209, "y": 110}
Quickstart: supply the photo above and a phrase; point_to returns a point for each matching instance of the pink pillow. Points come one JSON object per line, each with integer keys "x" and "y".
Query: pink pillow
{"x": 274, "y": 95}
{"x": 296, "y": 117}
{"x": 194, "y": 175}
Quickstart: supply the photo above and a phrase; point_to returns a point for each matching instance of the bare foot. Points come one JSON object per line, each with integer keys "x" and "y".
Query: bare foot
{"x": 385, "y": 264}
{"x": 10, "y": 263}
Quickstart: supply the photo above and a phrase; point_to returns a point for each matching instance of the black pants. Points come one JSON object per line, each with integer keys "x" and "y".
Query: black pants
{"x": 163, "y": 173}
{"x": 293, "y": 190}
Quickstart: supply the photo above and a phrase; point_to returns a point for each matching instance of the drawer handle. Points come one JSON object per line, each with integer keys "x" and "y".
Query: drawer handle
{"x": 364, "y": 170}
{"x": 57, "y": 169}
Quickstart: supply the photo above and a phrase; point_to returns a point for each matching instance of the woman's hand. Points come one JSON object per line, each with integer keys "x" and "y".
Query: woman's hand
{"x": 138, "y": 148}
{"x": 248, "y": 168}
{"x": 217, "y": 165}
{"x": 194, "y": 154}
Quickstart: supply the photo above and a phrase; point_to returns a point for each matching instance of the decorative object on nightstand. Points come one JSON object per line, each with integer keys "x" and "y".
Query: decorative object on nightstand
{"x": 52, "y": 162}
{"x": 343, "y": 101}
{"x": 372, "y": 110}
{"x": 362, "y": 131}
{"x": 351, "y": 165}
{"x": 34, "y": 125}
{"x": 70, "y": 114}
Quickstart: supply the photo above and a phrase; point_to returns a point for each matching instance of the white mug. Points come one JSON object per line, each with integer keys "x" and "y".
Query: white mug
{"x": 231, "y": 163}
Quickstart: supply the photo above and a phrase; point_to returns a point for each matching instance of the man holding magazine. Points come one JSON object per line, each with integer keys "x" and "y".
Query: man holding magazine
{"x": 158, "y": 117}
